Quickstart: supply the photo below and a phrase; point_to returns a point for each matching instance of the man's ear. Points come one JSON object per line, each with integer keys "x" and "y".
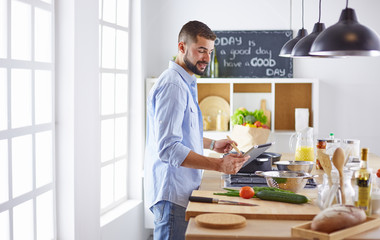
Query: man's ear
{"x": 181, "y": 47}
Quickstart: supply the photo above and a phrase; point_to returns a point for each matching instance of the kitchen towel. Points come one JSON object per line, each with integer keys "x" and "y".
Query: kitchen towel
{"x": 302, "y": 118}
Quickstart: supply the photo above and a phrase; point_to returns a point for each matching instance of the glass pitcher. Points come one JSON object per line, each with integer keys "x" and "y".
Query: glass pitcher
{"x": 304, "y": 148}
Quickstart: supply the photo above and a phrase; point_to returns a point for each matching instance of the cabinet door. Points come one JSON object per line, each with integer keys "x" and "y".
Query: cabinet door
{"x": 290, "y": 96}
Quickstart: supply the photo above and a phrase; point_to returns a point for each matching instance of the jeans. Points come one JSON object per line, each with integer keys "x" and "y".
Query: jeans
{"x": 169, "y": 221}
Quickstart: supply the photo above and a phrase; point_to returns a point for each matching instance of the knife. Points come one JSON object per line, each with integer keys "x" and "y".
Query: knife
{"x": 219, "y": 201}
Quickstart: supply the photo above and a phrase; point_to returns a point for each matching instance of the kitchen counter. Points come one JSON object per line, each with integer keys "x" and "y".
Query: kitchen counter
{"x": 256, "y": 227}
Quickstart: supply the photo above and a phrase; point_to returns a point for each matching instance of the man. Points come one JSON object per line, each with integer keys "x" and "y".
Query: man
{"x": 174, "y": 146}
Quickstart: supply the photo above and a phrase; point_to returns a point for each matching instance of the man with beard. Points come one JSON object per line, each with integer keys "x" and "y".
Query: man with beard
{"x": 174, "y": 143}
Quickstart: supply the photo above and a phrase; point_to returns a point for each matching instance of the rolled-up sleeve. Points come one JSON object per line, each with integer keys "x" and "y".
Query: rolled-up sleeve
{"x": 171, "y": 102}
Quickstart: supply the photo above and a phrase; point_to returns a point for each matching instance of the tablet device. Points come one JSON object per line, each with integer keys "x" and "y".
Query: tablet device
{"x": 256, "y": 151}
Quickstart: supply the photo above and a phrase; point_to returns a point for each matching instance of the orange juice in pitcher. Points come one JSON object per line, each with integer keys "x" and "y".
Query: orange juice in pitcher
{"x": 304, "y": 148}
{"x": 304, "y": 153}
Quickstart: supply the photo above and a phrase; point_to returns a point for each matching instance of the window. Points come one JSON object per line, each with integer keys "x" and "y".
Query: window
{"x": 26, "y": 120}
{"x": 114, "y": 42}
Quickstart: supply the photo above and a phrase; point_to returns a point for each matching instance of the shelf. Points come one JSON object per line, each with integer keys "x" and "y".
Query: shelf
{"x": 282, "y": 95}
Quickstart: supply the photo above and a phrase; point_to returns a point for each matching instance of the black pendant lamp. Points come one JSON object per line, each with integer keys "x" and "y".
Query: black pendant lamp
{"x": 303, "y": 46}
{"x": 347, "y": 38}
{"x": 287, "y": 49}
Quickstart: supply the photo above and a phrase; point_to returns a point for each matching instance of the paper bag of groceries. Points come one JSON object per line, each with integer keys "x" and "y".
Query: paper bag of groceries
{"x": 249, "y": 128}
{"x": 246, "y": 136}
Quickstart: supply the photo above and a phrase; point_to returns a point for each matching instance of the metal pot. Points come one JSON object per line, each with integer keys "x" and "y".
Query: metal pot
{"x": 275, "y": 156}
{"x": 261, "y": 163}
{"x": 295, "y": 166}
{"x": 287, "y": 180}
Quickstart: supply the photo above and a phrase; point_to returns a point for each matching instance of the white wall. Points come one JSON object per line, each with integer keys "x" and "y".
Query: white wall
{"x": 127, "y": 226}
{"x": 348, "y": 87}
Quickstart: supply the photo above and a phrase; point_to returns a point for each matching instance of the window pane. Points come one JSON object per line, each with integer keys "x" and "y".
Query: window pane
{"x": 23, "y": 221}
{"x": 4, "y": 225}
{"x": 43, "y": 158}
{"x": 106, "y": 185}
{"x": 3, "y": 99}
{"x": 47, "y": 1}
{"x": 121, "y": 50}
{"x": 43, "y": 97}
{"x": 120, "y": 136}
{"x": 108, "y": 93}
{"x": 121, "y": 89}
{"x": 120, "y": 179}
{"x": 42, "y": 35}
{"x": 21, "y": 110}
{"x": 108, "y": 47}
{"x": 122, "y": 12}
{"x": 3, "y": 28}
{"x": 20, "y": 30}
{"x": 44, "y": 216}
{"x": 109, "y": 10}
{"x": 22, "y": 165}
{"x": 4, "y": 196}
{"x": 107, "y": 140}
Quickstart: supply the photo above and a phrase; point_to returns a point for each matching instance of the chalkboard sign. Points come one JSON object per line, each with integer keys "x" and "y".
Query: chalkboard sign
{"x": 253, "y": 54}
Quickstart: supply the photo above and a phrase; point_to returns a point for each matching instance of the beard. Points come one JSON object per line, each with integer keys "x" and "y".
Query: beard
{"x": 193, "y": 67}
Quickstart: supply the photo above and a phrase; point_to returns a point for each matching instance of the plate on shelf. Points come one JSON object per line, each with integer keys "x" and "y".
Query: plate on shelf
{"x": 210, "y": 107}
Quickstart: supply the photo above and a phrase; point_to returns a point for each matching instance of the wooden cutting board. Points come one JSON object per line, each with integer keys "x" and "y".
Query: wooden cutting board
{"x": 265, "y": 210}
{"x": 220, "y": 220}
{"x": 266, "y": 111}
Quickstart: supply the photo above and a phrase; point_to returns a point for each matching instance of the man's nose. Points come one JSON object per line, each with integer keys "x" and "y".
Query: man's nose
{"x": 207, "y": 57}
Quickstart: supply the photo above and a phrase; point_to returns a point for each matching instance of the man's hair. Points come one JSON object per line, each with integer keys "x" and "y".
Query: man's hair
{"x": 192, "y": 29}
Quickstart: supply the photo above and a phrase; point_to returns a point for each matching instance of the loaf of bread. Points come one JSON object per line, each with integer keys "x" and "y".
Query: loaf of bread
{"x": 338, "y": 217}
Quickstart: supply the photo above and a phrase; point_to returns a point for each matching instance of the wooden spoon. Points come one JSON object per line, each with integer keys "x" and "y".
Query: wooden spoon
{"x": 233, "y": 145}
{"x": 338, "y": 160}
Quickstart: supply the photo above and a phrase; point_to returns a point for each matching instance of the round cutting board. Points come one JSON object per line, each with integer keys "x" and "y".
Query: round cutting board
{"x": 210, "y": 107}
{"x": 220, "y": 220}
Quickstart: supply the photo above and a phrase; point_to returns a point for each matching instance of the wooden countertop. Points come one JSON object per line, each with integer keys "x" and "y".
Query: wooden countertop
{"x": 262, "y": 228}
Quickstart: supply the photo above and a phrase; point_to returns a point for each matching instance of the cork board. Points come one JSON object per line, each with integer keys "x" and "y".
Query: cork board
{"x": 214, "y": 89}
{"x": 252, "y": 88}
{"x": 288, "y": 97}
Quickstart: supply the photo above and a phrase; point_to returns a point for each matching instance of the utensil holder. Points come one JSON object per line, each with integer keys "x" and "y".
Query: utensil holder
{"x": 329, "y": 195}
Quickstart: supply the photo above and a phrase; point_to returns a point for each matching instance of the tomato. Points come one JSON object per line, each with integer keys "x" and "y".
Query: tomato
{"x": 246, "y": 192}
{"x": 378, "y": 173}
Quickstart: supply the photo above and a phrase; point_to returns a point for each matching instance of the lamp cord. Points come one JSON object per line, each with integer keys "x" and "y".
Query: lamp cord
{"x": 320, "y": 7}
{"x": 346, "y": 3}
{"x": 302, "y": 14}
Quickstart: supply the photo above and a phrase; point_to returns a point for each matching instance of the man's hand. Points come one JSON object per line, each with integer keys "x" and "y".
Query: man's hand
{"x": 223, "y": 146}
{"x": 232, "y": 163}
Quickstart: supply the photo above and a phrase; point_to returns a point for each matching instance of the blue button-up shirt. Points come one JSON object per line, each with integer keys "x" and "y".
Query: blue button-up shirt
{"x": 174, "y": 127}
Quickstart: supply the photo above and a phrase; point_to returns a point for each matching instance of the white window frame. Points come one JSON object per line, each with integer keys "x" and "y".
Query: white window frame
{"x": 8, "y": 63}
{"x": 114, "y": 116}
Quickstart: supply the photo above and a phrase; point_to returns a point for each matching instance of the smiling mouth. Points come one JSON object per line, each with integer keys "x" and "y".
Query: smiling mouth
{"x": 202, "y": 65}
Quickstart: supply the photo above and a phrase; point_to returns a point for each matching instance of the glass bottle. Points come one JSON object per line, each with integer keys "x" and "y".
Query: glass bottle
{"x": 332, "y": 144}
{"x": 363, "y": 184}
{"x": 214, "y": 65}
{"x": 221, "y": 121}
{"x": 321, "y": 148}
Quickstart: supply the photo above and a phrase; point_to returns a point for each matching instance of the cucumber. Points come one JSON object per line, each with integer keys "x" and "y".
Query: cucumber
{"x": 282, "y": 197}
